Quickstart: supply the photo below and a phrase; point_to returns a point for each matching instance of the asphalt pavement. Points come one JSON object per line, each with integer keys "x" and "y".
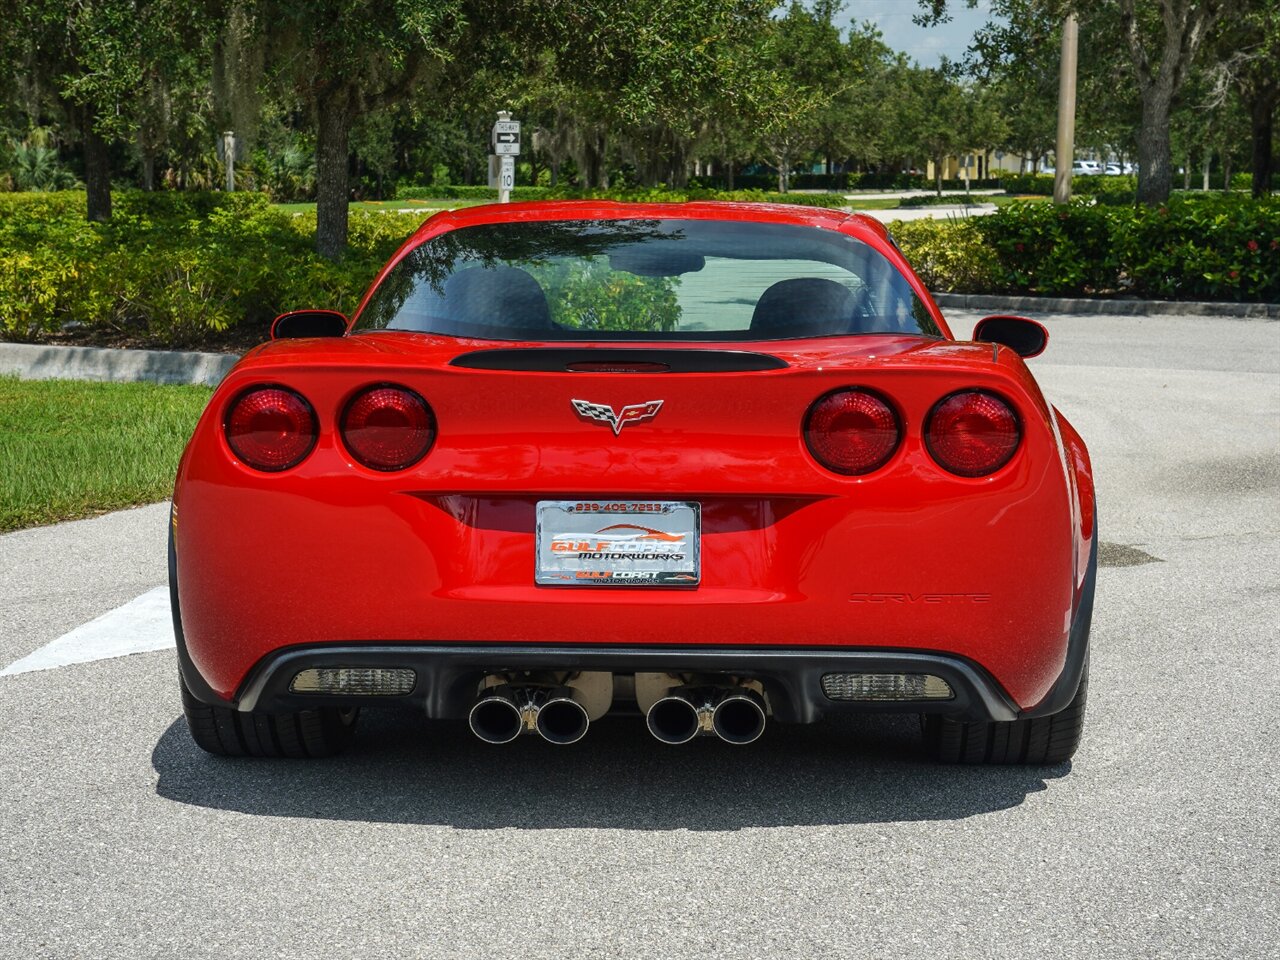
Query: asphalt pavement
{"x": 118, "y": 838}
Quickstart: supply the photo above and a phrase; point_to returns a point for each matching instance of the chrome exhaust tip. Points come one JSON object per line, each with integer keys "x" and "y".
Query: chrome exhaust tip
{"x": 496, "y": 719}
{"x": 739, "y": 718}
{"x": 673, "y": 719}
{"x": 562, "y": 720}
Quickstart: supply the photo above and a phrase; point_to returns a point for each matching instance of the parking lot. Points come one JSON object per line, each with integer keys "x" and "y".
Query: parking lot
{"x": 1161, "y": 839}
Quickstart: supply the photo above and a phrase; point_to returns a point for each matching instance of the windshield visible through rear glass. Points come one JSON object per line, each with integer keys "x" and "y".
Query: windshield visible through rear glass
{"x": 645, "y": 280}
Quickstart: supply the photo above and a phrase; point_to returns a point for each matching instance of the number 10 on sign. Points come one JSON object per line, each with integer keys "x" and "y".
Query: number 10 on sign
{"x": 506, "y": 178}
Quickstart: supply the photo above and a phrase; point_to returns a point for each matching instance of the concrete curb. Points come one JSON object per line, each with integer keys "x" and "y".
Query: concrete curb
{"x": 39, "y": 362}
{"x": 1129, "y": 308}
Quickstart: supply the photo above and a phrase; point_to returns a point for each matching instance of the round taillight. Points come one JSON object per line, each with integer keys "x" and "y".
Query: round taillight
{"x": 972, "y": 433}
{"x": 386, "y": 427}
{"x": 271, "y": 428}
{"x": 852, "y": 431}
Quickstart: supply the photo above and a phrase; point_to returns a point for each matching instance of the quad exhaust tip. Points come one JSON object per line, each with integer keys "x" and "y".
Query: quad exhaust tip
{"x": 562, "y": 720}
{"x": 739, "y": 718}
{"x": 504, "y": 713}
{"x": 734, "y": 714}
{"x": 496, "y": 719}
{"x": 674, "y": 720}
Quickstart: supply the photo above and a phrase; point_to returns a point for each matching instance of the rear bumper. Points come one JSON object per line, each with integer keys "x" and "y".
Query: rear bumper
{"x": 448, "y": 675}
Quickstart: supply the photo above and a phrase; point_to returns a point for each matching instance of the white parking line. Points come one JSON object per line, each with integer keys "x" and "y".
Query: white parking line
{"x": 142, "y": 624}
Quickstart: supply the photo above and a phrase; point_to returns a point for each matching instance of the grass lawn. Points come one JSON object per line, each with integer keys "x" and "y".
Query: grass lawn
{"x": 390, "y": 205}
{"x": 874, "y": 203}
{"x": 73, "y": 449}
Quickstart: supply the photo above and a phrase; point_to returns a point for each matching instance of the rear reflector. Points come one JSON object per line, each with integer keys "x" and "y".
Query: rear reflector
{"x": 886, "y": 686}
{"x": 355, "y": 681}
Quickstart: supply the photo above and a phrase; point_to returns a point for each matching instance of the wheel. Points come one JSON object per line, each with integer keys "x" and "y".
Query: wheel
{"x": 321, "y": 732}
{"x": 1039, "y": 741}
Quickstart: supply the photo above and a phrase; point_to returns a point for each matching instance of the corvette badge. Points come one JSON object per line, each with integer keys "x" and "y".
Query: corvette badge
{"x": 632, "y": 413}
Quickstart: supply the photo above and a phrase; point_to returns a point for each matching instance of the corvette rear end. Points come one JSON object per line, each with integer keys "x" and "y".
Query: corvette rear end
{"x": 713, "y": 465}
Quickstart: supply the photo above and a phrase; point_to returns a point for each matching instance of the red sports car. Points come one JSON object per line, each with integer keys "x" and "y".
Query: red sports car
{"x": 707, "y": 463}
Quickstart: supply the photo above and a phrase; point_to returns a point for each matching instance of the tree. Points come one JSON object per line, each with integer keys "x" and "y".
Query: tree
{"x": 1161, "y": 61}
{"x": 1162, "y": 39}
{"x": 95, "y": 58}
{"x": 1248, "y": 51}
{"x": 345, "y": 60}
{"x": 649, "y": 73}
{"x": 938, "y": 108}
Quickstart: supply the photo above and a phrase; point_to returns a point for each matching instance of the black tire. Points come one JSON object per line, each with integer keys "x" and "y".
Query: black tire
{"x": 1039, "y": 741}
{"x": 321, "y": 732}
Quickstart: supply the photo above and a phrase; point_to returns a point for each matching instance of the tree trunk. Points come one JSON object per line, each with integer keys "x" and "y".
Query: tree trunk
{"x": 555, "y": 173}
{"x": 97, "y": 173}
{"x": 333, "y": 116}
{"x": 1208, "y": 162}
{"x": 728, "y": 173}
{"x": 937, "y": 172}
{"x": 148, "y": 168}
{"x": 1155, "y": 158}
{"x": 1186, "y": 172}
{"x": 1261, "y": 118}
{"x": 1226, "y": 168}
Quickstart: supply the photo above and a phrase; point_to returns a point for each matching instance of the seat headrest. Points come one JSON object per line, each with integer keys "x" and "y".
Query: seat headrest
{"x": 504, "y": 297}
{"x": 804, "y": 307}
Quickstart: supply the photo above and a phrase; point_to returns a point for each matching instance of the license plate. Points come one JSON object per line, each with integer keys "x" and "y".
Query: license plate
{"x": 620, "y": 543}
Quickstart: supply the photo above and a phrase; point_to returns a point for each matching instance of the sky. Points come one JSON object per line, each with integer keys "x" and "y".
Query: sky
{"x": 928, "y": 45}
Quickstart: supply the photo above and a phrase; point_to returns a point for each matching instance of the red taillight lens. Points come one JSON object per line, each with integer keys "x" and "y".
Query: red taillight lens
{"x": 972, "y": 433}
{"x": 388, "y": 427}
{"x": 852, "y": 431}
{"x": 271, "y": 428}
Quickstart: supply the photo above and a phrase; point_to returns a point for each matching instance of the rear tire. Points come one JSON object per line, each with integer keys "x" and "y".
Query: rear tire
{"x": 1038, "y": 741}
{"x": 321, "y": 732}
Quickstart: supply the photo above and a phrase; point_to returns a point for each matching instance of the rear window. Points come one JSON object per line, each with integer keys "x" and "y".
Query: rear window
{"x": 645, "y": 280}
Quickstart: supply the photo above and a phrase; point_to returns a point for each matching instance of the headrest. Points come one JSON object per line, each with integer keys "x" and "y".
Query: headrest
{"x": 804, "y": 307}
{"x": 504, "y": 297}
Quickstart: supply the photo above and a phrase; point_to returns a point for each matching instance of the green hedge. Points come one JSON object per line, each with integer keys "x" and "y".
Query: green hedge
{"x": 171, "y": 267}
{"x": 943, "y": 200}
{"x": 635, "y": 195}
{"x": 175, "y": 267}
{"x": 1210, "y": 247}
{"x": 1082, "y": 185}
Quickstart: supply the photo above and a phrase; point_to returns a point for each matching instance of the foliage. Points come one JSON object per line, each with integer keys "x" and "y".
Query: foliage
{"x": 939, "y": 200}
{"x": 635, "y": 195}
{"x": 1053, "y": 249}
{"x": 1082, "y": 185}
{"x": 37, "y": 167}
{"x": 1227, "y": 248}
{"x": 589, "y": 295}
{"x": 1194, "y": 247}
{"x": 170, "y": 267}
{"x": 949, "y": 255}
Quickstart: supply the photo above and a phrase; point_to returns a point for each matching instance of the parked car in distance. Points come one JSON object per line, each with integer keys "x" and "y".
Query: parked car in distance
{"x": 710, "y": 464}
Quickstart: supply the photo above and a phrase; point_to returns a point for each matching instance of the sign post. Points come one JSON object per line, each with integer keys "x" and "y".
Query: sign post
{"x": 504, "y": 140}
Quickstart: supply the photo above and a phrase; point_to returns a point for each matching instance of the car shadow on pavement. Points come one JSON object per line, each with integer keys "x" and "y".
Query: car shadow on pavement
{"x": 405, "y": 769}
